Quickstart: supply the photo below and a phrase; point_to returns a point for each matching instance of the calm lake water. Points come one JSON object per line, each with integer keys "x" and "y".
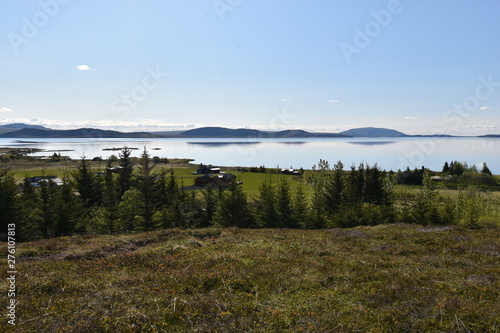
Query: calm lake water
{"x": 388, "y": 153}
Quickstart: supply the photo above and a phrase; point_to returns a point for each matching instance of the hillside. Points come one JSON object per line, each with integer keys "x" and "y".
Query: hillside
{"x": 389, "y": 278}
{"x": 373, "y": 132}
{"x": 76, "y": 133}
{"x": 17, "y": 126}
{"x": 222, "y": 132}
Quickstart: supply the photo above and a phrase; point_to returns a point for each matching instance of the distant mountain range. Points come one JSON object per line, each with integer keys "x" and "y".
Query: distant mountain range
{"x": 19, "y": 130}
{"x": 17, "y": 126}
{"x": 222, "y": 132}
{"x": 76, "y": 133}
{"x": 372, "y": 132}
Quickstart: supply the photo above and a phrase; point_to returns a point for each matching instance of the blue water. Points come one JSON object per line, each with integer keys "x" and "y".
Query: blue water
{"x": 388, "y": 153}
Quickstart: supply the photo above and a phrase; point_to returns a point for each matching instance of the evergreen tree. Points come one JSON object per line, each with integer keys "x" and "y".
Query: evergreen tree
{"x": 334, "y": 190}
{"x": 86, "y": 183}
{"x": 130, "y": 211}
{"x": 446, "y": 167}
{"x": 265, "y": 207}
{"x": 233, "y": 209}
{"x": 8, "y": 191}
{"x": 425, "y": 210}
{"x": 374, "y": 186}
{"x": 472, "y": 206}
{"x": 300, "y": 211}
{"x": 125, "y": 175}
{"x": 284, "y": 205}
{"x": 110, "y": 199}
{"x": 354, "y": 186}
{"x": 160, "y": 190}
{"x": 28, "y": 212}
{"x": 48, "y": 208}
{"x": 317, "y": 213}
{"x": 209, "y": 207}
{"x": 486, "y": 170}
{"x": 146, "y": 187}
{"x": 68, "y": 209}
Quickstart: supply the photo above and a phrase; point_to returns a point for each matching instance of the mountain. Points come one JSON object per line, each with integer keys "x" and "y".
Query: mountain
{"x": 21, "y": 125}
{"x": 76, "y": 133}
{"x": 222, "y": 132}
{"x": 490, "y": 136}
{"x": 16, "y": 126}
{"x": 373, "y": 132}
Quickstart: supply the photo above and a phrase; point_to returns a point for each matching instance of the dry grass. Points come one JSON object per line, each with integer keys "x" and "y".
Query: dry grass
{"x": 389, "y": 278}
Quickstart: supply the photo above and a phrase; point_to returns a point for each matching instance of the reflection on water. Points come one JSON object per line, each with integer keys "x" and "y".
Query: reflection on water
{"x": 372, "y": 143}
{"x": 297, "y": 143}
{"x": 388, "y": 153}
{"x": 222, "y": 144}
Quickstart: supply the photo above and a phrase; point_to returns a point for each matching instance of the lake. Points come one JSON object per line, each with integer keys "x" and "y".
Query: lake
{"x": 388, "y": 153}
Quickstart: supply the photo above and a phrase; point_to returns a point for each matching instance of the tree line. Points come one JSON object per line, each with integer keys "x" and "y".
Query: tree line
{"x": 138, "y": 199}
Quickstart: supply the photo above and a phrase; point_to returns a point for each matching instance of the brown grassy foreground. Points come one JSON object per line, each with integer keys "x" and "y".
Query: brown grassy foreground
{"x": 388, "y": 278}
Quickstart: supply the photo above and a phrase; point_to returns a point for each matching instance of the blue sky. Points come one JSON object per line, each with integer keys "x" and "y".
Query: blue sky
{"x": 416, "y": 66}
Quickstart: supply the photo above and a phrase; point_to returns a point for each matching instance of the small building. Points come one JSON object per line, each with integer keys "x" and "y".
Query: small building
{"x": 202, "y": 181}
{"x": 218, "y": 181}
{"x": 37, "y": 180}
{"x": 208, "y": 170}
{"x": 290, "y": 172}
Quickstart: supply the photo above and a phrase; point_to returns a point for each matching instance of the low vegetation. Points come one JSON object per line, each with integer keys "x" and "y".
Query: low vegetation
{"x": 132, "y": 195}
{"x": 387, "y": 278}
{"x": 129, "y": 249}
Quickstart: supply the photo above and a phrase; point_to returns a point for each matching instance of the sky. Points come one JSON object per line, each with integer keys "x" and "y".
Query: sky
{"x": 421, "y": 67}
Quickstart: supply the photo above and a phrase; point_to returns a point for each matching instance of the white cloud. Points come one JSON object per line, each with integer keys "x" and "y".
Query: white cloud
{"x": 5, "y": 110}
{"x": 286, "y": 99}
{"x": 84, "y": 68}
{"x": 487, "y": 108}
{"x": 410, "y": 118}
{"x": 334, "y": 101}
{"x": 147, "y": 125}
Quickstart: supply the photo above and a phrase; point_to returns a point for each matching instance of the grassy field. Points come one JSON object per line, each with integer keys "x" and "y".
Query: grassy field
{"x": 389, "y": 278}
{"x": 183, "y": 172}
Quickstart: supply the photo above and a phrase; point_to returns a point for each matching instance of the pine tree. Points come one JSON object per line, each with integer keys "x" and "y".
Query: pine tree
{"x": 425, "y": 210}
{"x": 284, "y": 205}
{"x": 317, "y": 213}
{"x": 374, "y": 186}
{"x": 28, "y": 212}
{"x": 146, "y": 187}
{"x": 233, "y": 209}
{"x": 300, "y": 211}
{"x": 209, "y": 207}
{"x": 8, "y": 191}
{"x": 125, "y": 175}
{"x": 486, "y": 170}
{"x": 85, "y": 183}
{"x": 334, "y": 189}
{"x": 68, "y": 209}
{"x": 446, "y": 167}
{"x": 48, "y": 208}
{"x": 130, "y": 211}
{"x": 265, "y": 207}
{"x": 354, "y": 186}
{"x": 110, "y": 199}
